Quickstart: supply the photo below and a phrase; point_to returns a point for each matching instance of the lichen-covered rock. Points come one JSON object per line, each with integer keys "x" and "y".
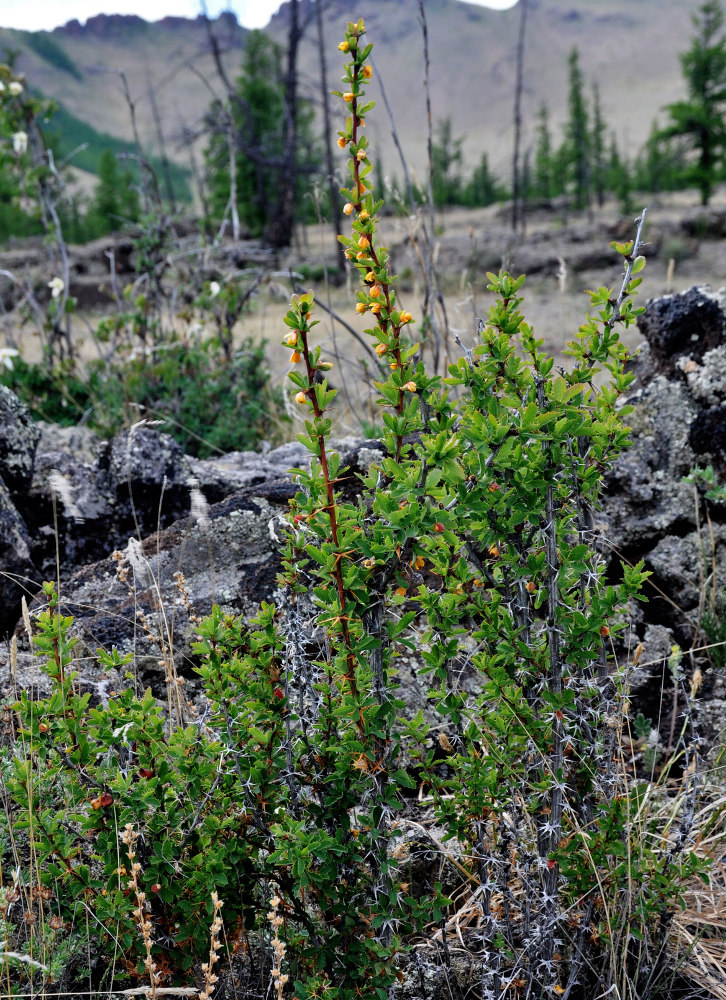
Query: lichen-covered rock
{"x": 18, "y": 440}
{"x": 645, "y": 496}
{"x": 688, "y": 324}
{"x": 19, "y": 576}
{"x": 650, "y": 513}
{"x": 143, "y": 601}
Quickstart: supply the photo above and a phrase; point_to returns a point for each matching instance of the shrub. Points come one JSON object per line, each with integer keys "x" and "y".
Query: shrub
{"x": 470, "y": 545}
{"x": 206, "y": 402}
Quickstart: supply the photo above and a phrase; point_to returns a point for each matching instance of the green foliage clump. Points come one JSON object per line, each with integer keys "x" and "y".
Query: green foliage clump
{"x": 207, "y": 401}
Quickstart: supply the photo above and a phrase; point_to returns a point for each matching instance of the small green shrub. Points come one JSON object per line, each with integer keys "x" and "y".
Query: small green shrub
{"x": 207, "y": 403}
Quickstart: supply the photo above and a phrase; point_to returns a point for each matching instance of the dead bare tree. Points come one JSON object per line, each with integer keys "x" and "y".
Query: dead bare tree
{"x": 517, "y": 187}
{"x": 333, "y": 193}
{"x": 280, "y": 227}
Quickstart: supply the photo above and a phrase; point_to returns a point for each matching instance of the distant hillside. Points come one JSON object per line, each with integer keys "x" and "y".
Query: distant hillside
{"x": 630, "y": 47}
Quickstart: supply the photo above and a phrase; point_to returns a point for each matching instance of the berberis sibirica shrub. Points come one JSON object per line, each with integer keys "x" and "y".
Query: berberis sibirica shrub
{"x": 469, "y": 546}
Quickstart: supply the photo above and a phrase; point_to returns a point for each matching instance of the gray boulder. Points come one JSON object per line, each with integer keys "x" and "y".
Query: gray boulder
{"x": 19, "y": 437}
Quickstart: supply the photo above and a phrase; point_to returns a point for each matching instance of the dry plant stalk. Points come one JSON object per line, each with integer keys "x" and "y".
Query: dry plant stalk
{"x": 278, "y": 946}
{"x": 129, "y": 837}
{"x": 210, "y": 978}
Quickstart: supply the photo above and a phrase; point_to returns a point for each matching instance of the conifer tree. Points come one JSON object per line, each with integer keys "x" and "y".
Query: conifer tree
{"x": 598, "y": 146}
{"x": 543, "y": 161}
{"x": 700, "y": 118}
{"x": 446, "y": 164}
{"x": 258, "y": 111}
{"x": 115, "y": 201}
{"x": 482, "y": 189}
{"x": 578, "y": 134}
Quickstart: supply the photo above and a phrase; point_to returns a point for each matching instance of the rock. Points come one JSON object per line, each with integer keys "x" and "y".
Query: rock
{"x": 105, "y": 492}
{"x": 139, "y": 604}
{"x": 645, "y": 496}
{"x": 19, "y": 576}
{"x": 19, "y": 437}
{"x": 649, "y": 513}
{"x": 685, "y": 325}
{"x": 219, "y": 477}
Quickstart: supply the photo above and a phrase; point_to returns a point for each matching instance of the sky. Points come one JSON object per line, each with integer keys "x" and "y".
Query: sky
{"x": 44, "y": 15}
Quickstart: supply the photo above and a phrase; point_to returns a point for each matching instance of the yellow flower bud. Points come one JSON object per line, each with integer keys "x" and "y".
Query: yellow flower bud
{"x": 347, "y": 208}
{"x": 342, "y": 142}
{"x": 363, "y": 216}
{"x": 291, "y": 339}
{"x": 295, "y": 357}
{"x": 367, "y": 72}
{"x": 370, "y": 277}
{"x": 381, "y": 349}
{"x": 301, "y": 397}
{"x": 361, "y": 155}
{"x": 400, "y": 591}
{"x": 410, "y": 387}
{"x": 405, "y": 317}
{"x": 348, "y": 97}
{"x": 361, "y": 123}
{"x": 361, "y": 255}
{"x": 393, "y": 366}
{"x": 364, "y": 242}
{"x": 375, "y": 291}
{"x": 360, "y": 307}
{"x": 343, "y": 46}
{"x": 376, "y": 308}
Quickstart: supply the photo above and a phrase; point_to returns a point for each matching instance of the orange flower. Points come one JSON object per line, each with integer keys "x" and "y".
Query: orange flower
{"x": 400, "y": 591}
{"x": 301, "y": 397}
{"x": 405, "y": 317}
{"x": 342, "y": 142}
{"x": 419, "y": 562}
{"x": 361, "y": 255}
{"x": 381, "y": 349}
{"x": 295, "y": 357}
{"x": 367, "y": 72}
{"x": 347, "y": 208}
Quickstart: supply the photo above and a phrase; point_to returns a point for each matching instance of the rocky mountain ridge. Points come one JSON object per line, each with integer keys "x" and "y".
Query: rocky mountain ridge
{"x": 629, "y": 48}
